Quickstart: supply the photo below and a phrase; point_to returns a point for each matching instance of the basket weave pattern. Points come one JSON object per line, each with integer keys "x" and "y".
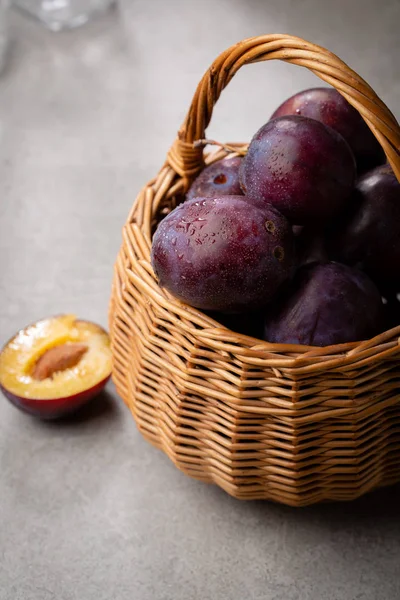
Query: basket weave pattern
{"x": 293, "y": 424}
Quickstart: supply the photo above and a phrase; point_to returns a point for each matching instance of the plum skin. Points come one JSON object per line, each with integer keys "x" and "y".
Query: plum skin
{"x": 392, "y": 312}
{"x": 302, "y": 167}
{"x": 368, "y": 233}
{"x": 218, "y": 179}
{"x": 250, "y": 324}
{"x": 328, "y": 106}
{"x": 311, "y": 247}
{"x": 326, "y": 304}
{"x": 55, "y": 408}
{"x": 223, "y": 254}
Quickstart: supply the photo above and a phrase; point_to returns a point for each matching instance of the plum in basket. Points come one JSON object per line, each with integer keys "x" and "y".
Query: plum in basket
{"x": 326, "y": 304}
{"x": 331, "y": 108}
{"x": 223, "y": 254}
{"x": 219, "y": 179}
{"x": 302, "y": 167}
{"x": 369, "y": 233}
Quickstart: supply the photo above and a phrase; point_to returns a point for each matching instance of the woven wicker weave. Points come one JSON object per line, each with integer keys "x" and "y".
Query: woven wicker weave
{"x": 293, "y": 424}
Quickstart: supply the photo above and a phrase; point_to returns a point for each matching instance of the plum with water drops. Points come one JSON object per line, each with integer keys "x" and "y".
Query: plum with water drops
{"x": 328, "y": 106}
{"x": 300, "y": 166}
{"x": 223, "y": 254}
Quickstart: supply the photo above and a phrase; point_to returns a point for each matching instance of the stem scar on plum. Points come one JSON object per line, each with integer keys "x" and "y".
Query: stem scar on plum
{"x": 279, "y": 253}
{"x": 220, "y": 179}
{"x": 270, "y": 227}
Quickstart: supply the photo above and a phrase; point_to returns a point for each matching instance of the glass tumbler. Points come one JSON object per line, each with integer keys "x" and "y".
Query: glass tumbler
{"x": 63, "y": 14}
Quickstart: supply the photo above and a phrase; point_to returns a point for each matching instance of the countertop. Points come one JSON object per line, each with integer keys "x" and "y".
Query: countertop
{"x": 89, "y": 510}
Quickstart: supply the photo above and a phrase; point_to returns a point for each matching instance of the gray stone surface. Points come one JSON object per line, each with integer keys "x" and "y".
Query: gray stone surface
{"x": 87, "y": 508}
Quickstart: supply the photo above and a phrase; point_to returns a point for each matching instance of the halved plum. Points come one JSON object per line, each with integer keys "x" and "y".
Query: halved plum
{"x": 53, "y": 367}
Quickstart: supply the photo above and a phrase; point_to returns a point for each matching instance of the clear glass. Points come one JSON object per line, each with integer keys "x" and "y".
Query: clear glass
{"x": 3, "y": 32}
{"x": 63, "y": 14}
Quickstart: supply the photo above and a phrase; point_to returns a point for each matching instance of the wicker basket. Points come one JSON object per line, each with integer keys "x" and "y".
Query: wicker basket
{"x": 293, "y": 424}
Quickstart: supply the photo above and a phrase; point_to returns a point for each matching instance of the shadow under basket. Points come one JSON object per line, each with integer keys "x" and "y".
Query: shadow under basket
{"x": 292, "y": 424}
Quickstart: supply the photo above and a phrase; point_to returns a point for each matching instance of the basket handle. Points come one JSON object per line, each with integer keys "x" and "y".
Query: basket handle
{"x": 187, "y": 160}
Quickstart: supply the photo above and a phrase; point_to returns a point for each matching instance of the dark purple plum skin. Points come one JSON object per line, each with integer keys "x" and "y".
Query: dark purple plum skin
{"x": 54, "y": 408}
{"x": 311, "y": 247}
{"x": 223, "y": 254}
{"x": 248, "y": 323}
{"x": 219, "y": 179}
{"x": 368, "y": 234}
{"x": 300, "y": 166}
{"x": 328, "y": 106}
{"x": 392, "y": 312}
{"x": 326, "y": 304}
{"x": 297, "y": 230}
